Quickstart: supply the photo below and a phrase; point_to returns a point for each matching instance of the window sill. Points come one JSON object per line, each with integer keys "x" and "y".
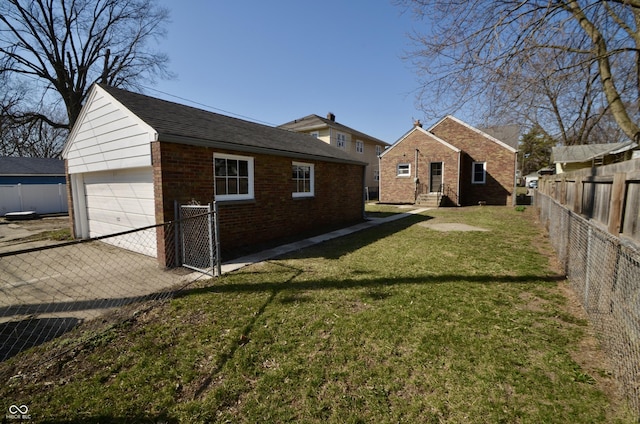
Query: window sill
{"x": 235, "y": 202}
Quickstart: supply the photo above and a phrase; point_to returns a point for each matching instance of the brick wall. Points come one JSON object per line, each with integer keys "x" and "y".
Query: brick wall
{"x": 185, "y": 173}
{"x": 395, "y": 189}
{"x": 500, "y": 164}
{"x": 70, "y": 199}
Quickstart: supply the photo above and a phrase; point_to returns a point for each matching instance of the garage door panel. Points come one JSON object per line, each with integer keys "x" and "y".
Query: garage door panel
{"x": 123, "y": 190}
{"x": 119, "y": 201}
{"x": 118, "y": 219}
{"x": 135, "y": 206}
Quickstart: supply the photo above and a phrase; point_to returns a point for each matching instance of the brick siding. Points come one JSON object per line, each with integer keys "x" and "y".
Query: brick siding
{"x": 457, "y": 167}
{"x": 500, "y": 163}
{"x": 395, "y": 189}
{"x": 185, "y": 173}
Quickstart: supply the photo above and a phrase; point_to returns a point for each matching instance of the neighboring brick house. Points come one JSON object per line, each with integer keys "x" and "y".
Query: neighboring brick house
{"x": 452, "y": 162}
{"x": 130, "y": 158}
{"x": 360, "y": 146}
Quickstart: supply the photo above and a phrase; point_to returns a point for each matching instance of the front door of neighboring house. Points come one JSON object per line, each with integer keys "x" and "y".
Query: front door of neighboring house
{"x": 435, "y": 177}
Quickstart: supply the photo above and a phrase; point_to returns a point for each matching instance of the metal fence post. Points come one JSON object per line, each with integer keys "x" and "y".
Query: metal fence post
{"x": 216, "y": 234}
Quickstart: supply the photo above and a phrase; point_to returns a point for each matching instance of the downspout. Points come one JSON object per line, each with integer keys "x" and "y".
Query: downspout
{"x": 364, "y": 186}
{"x": 458, "y": 195}
{"x": 515, "y": 180}
{"x": 379, "y": 180}
{"x": 416, "y": 180}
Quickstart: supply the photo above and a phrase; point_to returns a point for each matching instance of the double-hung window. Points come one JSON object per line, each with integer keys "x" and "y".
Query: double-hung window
{"x": 404, "y": 169}
{"x": 303, "y": 179}
{"x": 359, "y": 146}
{"x": 479, "y": 173}
{"x": 233, "y": 177}
{"x": 378, "y": 150}
{"x": 341, "y": 140}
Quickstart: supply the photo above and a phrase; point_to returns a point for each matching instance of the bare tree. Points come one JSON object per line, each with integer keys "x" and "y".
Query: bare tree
{"x": 566, "y": 64}
{"x": 61, "y": 47}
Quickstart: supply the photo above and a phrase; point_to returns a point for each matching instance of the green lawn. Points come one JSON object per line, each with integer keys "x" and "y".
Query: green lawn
{"x": 400, "y": 323}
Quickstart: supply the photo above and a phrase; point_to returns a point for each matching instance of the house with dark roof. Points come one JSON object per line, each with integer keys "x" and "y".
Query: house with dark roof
{"x": 572, "y": 158}
{"x": 451, "y": 163}
{"x": 132, "y": 158}
{"x": 360, "y": 146}
{"x": 32, "y": 184}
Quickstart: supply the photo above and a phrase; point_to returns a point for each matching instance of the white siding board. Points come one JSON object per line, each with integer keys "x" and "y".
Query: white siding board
{"x": 109, "y": 137}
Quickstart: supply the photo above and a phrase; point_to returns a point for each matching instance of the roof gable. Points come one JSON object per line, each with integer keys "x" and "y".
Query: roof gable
{"x": 179, "y": 123}
{"x": 425, "y": 132}
{"x": 482, "y": 133}
{"x": 314, "y": 122}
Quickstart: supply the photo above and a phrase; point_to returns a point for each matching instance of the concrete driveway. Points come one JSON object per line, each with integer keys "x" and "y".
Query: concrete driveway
{"x": 46, "y": 292}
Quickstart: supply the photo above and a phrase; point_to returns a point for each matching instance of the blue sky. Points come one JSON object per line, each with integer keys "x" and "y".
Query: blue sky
{"x": 278, "y": 60}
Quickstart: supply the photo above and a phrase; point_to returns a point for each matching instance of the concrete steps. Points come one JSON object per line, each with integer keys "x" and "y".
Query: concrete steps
{"x": 429, "y": 200}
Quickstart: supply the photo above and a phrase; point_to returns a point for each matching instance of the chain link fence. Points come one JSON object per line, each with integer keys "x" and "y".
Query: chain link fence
{"x": 48, "y": 291}
{"x": 604, "y": 270}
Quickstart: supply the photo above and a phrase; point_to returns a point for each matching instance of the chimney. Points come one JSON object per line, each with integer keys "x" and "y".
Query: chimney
{"x": 331, "y": 117}
{"x": 417, "y": 123}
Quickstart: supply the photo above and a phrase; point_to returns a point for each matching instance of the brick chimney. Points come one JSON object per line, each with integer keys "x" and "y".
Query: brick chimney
{"x": 331, "y": 117}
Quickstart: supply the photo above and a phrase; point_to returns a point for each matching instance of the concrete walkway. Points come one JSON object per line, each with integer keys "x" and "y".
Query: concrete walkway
{"x": 243, "y": 261}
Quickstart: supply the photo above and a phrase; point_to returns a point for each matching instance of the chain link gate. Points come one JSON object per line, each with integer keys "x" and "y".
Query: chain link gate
{"x": 199, "y": 244}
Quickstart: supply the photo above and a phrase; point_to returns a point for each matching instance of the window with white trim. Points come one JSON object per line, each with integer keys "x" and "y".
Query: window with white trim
{"x": 378, "y": 150}
{"x": 315, "y": 134}
{"x": 233, "y": 177}
{"x": 303, "y": 179}
{"x": 479, "y": 173}
{"x": 376, "y": 175}
{"x": 359, "y": 146}
{"x": 341, "y": 140}
{"x": 404, "y": 169}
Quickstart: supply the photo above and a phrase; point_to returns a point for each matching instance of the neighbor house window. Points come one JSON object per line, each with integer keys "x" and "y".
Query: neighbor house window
{"x": 315, "y": 134}
{"x": 341, "y": 140}
{"x": 359, "y": 146}
{"x": 479, "y": 173}
{"x": 378, "y": 150}
{"x": 376, "y": 175}
{"x": 404, "y": 169}
{"x": 302, "y": 177}
{"x": 233, "y": 177}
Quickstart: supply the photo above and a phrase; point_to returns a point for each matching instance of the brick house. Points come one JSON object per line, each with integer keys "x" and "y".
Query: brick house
{"x": 358, "y": 145}
{"x": 130, "y": 158}
{"x": 450, "y": 163}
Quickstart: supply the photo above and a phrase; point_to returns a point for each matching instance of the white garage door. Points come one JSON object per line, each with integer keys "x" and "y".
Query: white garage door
{"x": 122, "y": 200}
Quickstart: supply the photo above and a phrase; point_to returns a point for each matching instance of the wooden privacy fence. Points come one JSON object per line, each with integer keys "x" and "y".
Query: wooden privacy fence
{"x": 608, "y": 195}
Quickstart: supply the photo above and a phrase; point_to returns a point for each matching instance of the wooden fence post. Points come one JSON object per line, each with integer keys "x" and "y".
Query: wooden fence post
{"x": 615, "y": 204}
{"x": 577, "y": 200}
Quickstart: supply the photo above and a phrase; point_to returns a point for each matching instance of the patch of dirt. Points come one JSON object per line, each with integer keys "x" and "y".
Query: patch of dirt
{"x": 41, "y": 224}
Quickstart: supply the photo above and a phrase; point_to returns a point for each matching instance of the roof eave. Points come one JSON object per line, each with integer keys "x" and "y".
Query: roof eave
{"x": 220, "y": 144}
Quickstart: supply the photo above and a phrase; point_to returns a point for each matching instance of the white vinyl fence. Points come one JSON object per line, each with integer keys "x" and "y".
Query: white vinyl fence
{"x": 40, "y": 198}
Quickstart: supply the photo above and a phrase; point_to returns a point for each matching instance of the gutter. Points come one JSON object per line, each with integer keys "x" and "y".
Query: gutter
{"x": 219, "y": 144}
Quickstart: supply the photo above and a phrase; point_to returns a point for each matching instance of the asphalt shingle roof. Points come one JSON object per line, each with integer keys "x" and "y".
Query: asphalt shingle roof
{"x": 586, "y": 152}
{"x": 311, "y": 122}
{"x": 184, "y": 124}
{"x": 30, "y": 166}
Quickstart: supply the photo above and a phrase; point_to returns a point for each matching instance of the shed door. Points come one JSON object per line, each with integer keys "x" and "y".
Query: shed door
{"x": 122, "y": 200}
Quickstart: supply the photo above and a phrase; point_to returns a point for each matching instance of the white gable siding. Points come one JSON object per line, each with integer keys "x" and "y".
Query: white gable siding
{"x": 108, "y": 137}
